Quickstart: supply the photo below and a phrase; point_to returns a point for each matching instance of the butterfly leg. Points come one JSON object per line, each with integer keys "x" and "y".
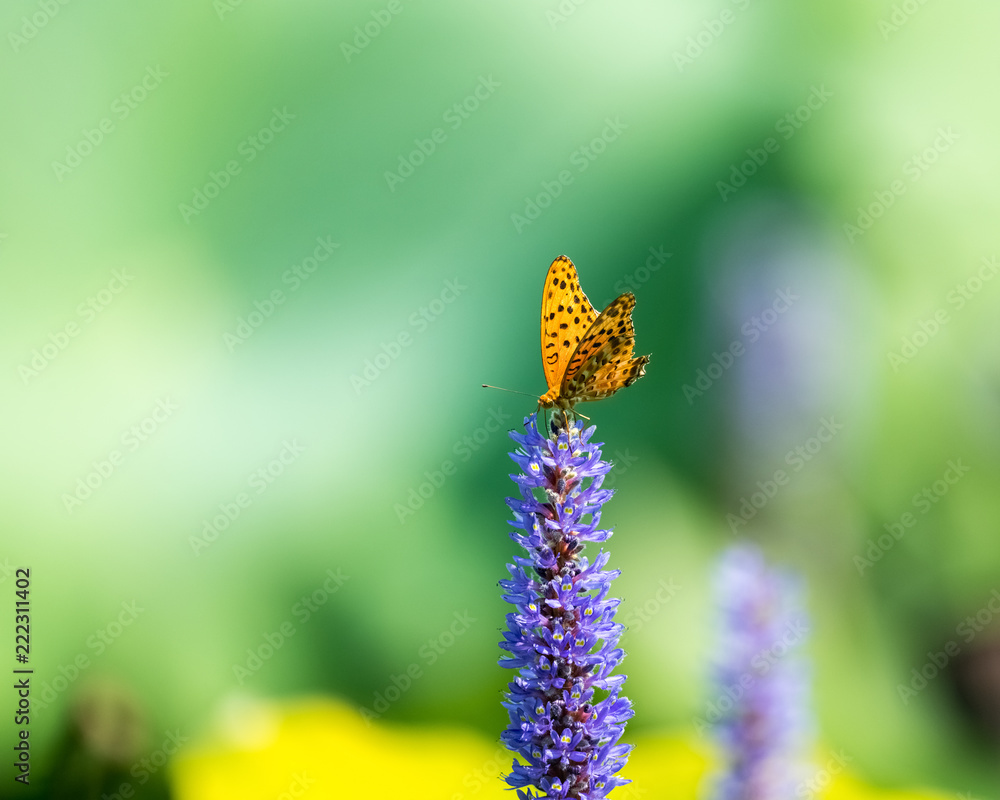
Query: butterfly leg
{"x": 561, "y": 421}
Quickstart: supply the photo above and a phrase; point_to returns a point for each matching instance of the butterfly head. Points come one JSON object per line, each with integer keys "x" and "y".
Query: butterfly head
{"x": 552, "y": 399}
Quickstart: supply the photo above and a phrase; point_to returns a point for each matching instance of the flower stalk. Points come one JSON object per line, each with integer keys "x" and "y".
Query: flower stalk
{"x": 761, "y": 680}
{"x": 566, "y": 713}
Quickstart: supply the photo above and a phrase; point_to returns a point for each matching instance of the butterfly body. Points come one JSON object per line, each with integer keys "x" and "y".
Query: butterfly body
{"x": 586, "y": 356}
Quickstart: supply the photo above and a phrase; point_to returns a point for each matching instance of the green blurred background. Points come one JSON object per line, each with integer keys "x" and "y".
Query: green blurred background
{"x": 267, "y": 253}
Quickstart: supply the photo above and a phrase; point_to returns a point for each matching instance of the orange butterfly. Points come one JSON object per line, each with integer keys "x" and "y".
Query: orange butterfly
{"x": 586, "y": 356}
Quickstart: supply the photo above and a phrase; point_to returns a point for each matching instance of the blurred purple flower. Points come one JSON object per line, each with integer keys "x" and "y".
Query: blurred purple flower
{"x": 761, "y": 682}
{"x": 562, "y": 637}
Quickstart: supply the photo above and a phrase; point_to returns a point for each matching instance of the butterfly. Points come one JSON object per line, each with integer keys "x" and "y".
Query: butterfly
{"x": 586, "y": 355}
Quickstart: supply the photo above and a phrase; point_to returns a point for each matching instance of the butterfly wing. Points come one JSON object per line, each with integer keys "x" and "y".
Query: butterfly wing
{"x": 602, "y": 363}
{"x": 612, "y": 327}
{"x": 567, "y": 315}
{"x": 608, "y": 379}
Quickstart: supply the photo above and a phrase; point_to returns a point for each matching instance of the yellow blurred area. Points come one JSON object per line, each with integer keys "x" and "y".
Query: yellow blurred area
{"x": 327, "y": 749}
{"x": 321, "y": 748}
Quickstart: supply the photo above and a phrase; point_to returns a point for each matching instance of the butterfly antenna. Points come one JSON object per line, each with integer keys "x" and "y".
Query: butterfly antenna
{"x": 515, "y": 391}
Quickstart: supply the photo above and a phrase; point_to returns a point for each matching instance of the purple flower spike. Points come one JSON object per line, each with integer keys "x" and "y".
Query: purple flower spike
{"x": 761, "y": 705}
{"x": 566, "y": 715}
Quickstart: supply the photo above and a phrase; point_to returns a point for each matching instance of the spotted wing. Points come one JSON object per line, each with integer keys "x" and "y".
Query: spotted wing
{"x": 609, "y": 379}
{"x": 603, "y": 362}
{"x": 567, "y": 315}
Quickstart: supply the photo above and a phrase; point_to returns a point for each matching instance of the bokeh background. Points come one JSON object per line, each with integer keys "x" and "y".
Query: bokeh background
{"x": 258, "y": 258}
